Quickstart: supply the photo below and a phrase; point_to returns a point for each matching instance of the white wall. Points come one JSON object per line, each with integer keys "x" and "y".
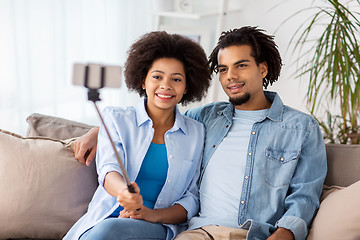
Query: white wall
{"x": 267, "y": 15}
{"x": 129, "y": 19}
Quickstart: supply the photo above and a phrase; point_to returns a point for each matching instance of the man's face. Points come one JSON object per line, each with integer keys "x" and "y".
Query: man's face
{"x": 241, "y": 78}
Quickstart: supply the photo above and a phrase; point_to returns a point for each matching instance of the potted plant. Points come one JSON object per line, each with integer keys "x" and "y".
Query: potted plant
{"x": 328, "y": 45}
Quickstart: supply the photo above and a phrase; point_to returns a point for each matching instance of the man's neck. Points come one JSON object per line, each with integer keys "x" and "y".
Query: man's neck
{"x": 259, "y": 103}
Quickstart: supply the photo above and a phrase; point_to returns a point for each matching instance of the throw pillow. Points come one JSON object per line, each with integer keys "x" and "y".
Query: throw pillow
{"x": 338, "y": 216}
{"x": 44, "y": 190}
{"x": 54, "y": 127}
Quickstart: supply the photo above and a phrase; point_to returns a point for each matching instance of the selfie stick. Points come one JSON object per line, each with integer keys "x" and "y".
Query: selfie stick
{"x": 93, "y": 95}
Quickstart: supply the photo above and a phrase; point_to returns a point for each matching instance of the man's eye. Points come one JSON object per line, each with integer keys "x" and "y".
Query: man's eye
{"x": 241, "y": 65}
{"x": 221, "y": 70}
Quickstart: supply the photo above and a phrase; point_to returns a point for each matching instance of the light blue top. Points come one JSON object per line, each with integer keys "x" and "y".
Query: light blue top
{"x": 132, "y": 132}
{"x": 285, "y": 167}
{"x": 152, "y": 175}
{"x": 220, "y": 196}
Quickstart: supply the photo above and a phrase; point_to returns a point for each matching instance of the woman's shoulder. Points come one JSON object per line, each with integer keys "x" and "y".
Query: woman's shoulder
{"x": 120, "y": 113}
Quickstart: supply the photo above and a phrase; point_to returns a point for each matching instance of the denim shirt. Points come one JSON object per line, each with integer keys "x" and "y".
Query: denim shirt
{"x": 132, "y": 131}
{"x": 285, "y": 167}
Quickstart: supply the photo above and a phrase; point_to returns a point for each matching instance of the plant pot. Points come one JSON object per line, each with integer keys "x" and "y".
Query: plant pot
{"x": 343, "y": 164}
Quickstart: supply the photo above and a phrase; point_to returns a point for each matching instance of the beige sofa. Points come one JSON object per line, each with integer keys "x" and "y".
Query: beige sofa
{"x": 44, "y": 190}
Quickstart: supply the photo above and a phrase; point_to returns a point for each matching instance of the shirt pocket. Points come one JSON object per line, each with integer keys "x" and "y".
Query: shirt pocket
{"x": 280, "y": 166}
{"x": 185, "y": 176}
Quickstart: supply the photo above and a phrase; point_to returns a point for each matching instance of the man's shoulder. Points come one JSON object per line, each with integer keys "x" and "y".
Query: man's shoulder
{"x": 206, "y": 110}
{"x": 298, "y": 117}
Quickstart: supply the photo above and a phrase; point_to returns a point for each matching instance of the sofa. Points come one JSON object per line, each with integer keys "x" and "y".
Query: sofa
{"x": 44, "y": 189}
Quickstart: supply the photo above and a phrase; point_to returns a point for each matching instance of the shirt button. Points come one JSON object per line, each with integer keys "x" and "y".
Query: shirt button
{"x": 213, "y": 146}
{"x": 246, "y": 177}
{"x": 168, "y": 180}
{"x": 227, "y": 126}
{"x": 250, "y": 153}
{"x": 282, "y": 159}
{"x": 167, "y": 136}
{"x": 242, "y": 202}
{"x": 253, "y": 133}
{"x": 170, "y": 156}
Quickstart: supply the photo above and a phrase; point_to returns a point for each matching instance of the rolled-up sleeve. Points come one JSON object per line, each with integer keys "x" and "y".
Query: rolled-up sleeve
{"x": 306, "y": 185}
{"x": 105, "y": 157}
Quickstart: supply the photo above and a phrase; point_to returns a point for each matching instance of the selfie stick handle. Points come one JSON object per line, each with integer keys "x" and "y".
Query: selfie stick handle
{"x": 93, "y": 95}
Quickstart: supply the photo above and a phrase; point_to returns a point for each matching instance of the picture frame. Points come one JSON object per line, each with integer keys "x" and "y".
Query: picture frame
{"x": 199, "y": 35}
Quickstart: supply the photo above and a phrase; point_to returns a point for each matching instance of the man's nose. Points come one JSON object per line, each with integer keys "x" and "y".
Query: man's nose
{"x": 231, "y": 74}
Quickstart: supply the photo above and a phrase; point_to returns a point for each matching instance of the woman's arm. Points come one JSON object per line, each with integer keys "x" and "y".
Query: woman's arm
{"x": 115, "y": 185}
{"x": 172, "y": 215}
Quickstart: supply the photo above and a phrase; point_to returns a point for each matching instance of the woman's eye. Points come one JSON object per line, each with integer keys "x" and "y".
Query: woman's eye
{"x": 157, "y": 77}
{"x": 177, "y": 80}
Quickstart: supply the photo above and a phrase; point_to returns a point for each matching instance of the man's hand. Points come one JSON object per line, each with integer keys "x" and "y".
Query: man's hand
{"x": 281, "y": 234}
{"x": 85, "y": 146}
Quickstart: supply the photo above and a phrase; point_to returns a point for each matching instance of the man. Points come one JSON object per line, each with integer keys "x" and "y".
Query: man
{"x": 264, "y": 163}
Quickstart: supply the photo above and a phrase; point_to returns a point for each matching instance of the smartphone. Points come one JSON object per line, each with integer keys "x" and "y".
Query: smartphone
{"x": 95, "y": 76}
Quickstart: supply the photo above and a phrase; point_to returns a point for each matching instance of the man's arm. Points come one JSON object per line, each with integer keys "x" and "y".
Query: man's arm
{"x": 85, "y": 146}
{"x": 281, "y": 234}
{"x": 306, "y": 184}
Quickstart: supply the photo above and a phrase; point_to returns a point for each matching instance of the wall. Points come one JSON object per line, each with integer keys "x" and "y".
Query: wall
{"x": 268, "y": 15}
{"x": 41, "y": 39}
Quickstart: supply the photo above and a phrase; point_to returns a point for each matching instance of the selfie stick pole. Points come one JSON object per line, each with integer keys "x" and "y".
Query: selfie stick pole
{"x": 93, "y": 95}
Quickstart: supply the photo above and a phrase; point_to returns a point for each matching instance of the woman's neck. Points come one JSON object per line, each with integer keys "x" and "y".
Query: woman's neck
{"x": 163, "y": 120}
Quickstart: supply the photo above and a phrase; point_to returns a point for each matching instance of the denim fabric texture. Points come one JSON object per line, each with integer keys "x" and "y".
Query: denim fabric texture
{"x": 132, "y": 132}
{"x": 125, "y": 229}
{"x": 285, "y": 168}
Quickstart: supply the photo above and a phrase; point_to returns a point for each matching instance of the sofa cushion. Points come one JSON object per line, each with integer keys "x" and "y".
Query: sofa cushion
{"x": 54, "y": 127}
{"x": 338, "y": 216}
{"x": 343, "y": 164}
{"x": 44, "y": 190}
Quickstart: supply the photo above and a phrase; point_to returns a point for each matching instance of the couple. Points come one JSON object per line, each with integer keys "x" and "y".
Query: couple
{"x": 263, "y": 163}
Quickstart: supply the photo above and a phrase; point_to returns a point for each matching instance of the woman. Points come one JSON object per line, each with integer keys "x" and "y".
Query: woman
{"x": 161, "y": 148}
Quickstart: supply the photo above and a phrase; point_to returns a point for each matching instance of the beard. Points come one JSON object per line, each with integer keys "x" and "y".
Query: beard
{"x": 237, "y": 101}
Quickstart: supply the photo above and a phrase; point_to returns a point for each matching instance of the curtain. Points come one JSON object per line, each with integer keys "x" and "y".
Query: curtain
{"x": 40, "y": 40}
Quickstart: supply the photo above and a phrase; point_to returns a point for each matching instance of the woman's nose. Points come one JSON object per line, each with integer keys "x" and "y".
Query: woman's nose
{"x": 166, "y": 83}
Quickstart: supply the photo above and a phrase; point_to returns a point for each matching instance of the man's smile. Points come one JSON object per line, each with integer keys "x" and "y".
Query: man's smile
{"x": 236, "y": 87}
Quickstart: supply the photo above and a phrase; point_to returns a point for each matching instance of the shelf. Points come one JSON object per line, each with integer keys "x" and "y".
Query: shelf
{"x": 192, "y": 15}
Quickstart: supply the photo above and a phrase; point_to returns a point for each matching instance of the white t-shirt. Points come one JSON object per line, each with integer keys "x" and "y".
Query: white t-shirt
{"x": 222, "y": 181}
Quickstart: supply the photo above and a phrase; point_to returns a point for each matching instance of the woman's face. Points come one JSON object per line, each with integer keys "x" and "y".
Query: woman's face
{"x": 165, "y": 84}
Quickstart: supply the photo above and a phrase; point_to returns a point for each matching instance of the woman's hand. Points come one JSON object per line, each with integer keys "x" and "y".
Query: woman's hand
{"x": 144, "y": 213}
{"x": 85, "y": 146}
{"x": 130, "y": 201}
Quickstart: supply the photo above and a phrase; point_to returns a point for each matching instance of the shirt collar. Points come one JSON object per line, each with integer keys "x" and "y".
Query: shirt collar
{"x": 142, "y": 117}
{"x": 275, "y": 112}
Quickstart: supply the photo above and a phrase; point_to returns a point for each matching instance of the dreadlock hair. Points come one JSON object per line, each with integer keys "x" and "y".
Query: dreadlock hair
{"x": 159, "y": 44}
{"x": 264, "y": 49}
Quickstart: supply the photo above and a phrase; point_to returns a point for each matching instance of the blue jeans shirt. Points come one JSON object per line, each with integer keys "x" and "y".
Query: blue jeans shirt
{"x": 285, "y": 168}
{"x": 132, "y": 131}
